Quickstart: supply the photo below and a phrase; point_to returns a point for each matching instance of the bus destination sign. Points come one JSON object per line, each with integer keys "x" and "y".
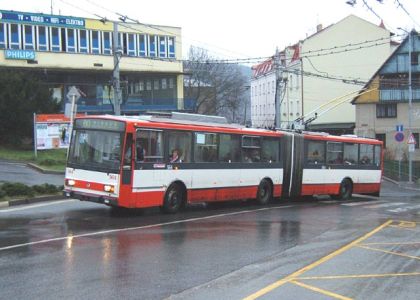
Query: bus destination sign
{"x": 99, "y": 124}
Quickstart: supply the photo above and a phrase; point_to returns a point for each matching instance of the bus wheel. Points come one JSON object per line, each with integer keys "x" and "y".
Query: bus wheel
{"x": 265, "y": 192}
{"x": 346, "y": 190}
{"x": 174, "y": 199}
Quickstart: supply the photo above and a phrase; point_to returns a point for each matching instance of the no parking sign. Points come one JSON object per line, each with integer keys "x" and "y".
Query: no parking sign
{"x": 399, "y": 136}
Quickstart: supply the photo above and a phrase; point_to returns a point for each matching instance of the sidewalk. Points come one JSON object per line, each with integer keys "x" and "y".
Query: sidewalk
{"x": 404, "y": 184}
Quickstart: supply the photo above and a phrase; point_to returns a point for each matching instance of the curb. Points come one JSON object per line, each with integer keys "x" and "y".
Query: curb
{"x": 30, "y": 200}
{"x": 44, "y": 171}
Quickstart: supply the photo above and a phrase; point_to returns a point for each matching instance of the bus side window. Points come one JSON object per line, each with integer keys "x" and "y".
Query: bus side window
{"x": 251, "y": 149}
{"x": 366, "y": 154}
{"x": 149, "y": 145}
{"x": 351, "y": 154}
{"x": 315, "y": 152}
{"x": 230, "y": 148}
{"x": 205, "y": 147}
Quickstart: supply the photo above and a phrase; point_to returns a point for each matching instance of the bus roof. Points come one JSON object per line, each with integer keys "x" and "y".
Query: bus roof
{"x": 208, "y": 123}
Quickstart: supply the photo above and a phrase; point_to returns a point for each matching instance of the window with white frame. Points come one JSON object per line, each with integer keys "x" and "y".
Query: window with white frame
{"x": 14, "y": 36}
{"x": 130, "y": 40}
{"x": 95, "y": 43}
{"x": 83, "y": 41}
{"x": 71, "y": 45}
{"x": 42, "y": 38}
{"x": 171, "y": 47}
{"x": 55, "y": 39}
{"x": 28, "y": 37}
{"x": 107, "y": 42}
{"x": 153, "y": 45}
{"x": 142, "y": 45}
{"x": 162, "y": 47}
{"x": 3, "y": 36}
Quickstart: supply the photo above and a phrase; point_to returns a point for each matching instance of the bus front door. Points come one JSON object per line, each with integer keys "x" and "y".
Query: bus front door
{"x": 127, "y": 173}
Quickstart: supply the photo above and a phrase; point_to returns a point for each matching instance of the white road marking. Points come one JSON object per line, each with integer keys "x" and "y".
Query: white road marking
{"x": 361, "y": 203}
{"x": 385, "y": 205}
{"x": 138, "y": 227}
{"x": 404, "y": 209}
{"x": 35, "y": 206}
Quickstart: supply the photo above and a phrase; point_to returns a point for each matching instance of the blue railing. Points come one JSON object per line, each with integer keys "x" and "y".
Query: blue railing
{"x": 398, "y": 95}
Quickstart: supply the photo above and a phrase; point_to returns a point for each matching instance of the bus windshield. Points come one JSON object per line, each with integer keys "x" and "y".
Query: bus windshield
{"x": 96, "y": 150}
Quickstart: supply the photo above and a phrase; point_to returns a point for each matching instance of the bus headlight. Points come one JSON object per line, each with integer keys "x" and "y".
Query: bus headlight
{"x": 109, "y": 188}
{"x": 70, "y": 182}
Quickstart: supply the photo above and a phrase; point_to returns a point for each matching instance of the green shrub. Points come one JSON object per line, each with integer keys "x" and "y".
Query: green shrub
{"x": 45, "y": 188}
{"x": 2, "y": 193}
{"x": 17, "y": 189}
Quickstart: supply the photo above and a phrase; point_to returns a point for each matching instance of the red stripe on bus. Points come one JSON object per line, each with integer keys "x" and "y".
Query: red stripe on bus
{"x": 334, "y": 188}
{"x": 94, "y": 186}
{"x": 155, "y": 198}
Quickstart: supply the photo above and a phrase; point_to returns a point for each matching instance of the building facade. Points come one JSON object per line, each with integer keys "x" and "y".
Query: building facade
{"x": 385, "y": 109}
{"x": 324, "y": 69}
{"x": 71, "y": 51}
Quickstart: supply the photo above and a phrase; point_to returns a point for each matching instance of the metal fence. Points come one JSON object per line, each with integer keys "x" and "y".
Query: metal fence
{"x": 398, "y": 170}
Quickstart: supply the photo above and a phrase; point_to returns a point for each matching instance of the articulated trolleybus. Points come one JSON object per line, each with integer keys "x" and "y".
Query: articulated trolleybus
{"x": 146, "y": 161}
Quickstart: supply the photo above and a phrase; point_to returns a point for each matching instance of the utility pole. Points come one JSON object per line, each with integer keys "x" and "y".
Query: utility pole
{"x": 410, "y": 107}
{"x": 278, "y": 89}
{"x": 116, "y": 73}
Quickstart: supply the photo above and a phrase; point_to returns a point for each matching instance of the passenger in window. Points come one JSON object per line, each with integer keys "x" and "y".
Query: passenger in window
{"x": 339, "y": 159}
{"x": 255, "y": 156}
{"x": 175, "y": 156}
{"x": 365, "y": 160}
{"x": 141, "y": 153}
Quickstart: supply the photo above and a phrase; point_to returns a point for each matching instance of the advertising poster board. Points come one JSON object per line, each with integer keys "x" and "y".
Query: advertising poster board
{"x": 52, "y": 131}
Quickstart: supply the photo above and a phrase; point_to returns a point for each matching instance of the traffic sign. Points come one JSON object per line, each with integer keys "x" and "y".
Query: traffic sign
{"x": 399, "y": 128}
{"x": 399, "y": 136}
{"x": 411, "y": 147}
{"x": 73, "y": 92}
{"x": 411, "y": 140}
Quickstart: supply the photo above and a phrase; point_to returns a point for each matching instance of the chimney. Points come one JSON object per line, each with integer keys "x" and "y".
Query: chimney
{"x": 318, "y": 27}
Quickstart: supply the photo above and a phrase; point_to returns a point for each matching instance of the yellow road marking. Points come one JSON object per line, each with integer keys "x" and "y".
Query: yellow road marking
{"x": 316, "y": 289}
{"x": 360, "y": 276}
{"x": 389, "y": 252}
{"x": 403, "y": 243}
{"x": 407, "y": 224}
{"x": 405, "y": 228}
{"x": 292, "y": 276}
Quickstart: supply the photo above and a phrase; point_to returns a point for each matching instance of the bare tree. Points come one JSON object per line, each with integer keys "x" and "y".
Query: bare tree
{"x": 217, "y": 88}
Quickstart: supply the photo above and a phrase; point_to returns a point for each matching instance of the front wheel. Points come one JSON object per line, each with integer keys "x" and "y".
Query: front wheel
{"x": 346, "y": 190}
{"x": 265, "y": 192}
{"x": 174, "y": 199}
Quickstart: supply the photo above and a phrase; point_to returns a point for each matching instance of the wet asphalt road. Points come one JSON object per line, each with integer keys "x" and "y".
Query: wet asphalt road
{"x": 70, "y": 249}
{"x": 18, "y": 172}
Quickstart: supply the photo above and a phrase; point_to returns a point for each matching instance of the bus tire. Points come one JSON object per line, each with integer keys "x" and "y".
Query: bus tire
{"x": 174, "y": 199}
{"x": 346, "y": 190}
{"x": 265, "y": 192}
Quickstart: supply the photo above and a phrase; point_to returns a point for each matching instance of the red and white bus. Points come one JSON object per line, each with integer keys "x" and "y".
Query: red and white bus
{"x": 146, "y": 161}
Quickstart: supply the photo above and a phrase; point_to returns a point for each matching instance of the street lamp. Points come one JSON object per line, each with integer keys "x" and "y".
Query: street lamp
{"x": 410, "y": 100}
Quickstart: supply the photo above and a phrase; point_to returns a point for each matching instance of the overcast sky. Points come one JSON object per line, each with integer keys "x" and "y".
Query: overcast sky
{"x": 234, "y": 28}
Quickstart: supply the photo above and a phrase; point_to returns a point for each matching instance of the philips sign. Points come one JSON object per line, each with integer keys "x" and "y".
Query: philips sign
{"x": 19, "y": 54}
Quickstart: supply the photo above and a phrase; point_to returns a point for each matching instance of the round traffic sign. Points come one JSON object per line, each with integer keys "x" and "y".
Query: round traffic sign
{"x": 399, "y": 136}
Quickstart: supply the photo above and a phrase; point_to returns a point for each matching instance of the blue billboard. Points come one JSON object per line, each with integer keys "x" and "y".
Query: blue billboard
{"x": 41, "y": 19}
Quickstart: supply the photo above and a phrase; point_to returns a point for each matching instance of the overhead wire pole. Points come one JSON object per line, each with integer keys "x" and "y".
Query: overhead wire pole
{"x": 116, "y": 72}
{"x": 277, "y": 94}
{"x": 410, "y": 107}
